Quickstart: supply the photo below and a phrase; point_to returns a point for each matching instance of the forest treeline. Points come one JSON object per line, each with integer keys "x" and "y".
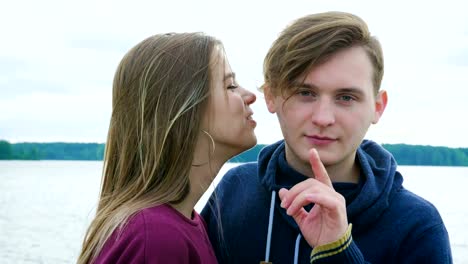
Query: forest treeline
{"x": 51, "y": 151}
{"x": 404, "y": 154}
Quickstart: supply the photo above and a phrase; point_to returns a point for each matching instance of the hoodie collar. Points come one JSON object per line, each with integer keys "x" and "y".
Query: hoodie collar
{"x": 379, "y": 181}
{"x": 272, "y": 176}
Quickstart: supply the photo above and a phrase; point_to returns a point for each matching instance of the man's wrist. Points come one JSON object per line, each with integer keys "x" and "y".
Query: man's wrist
{"x": 332, "y": 248}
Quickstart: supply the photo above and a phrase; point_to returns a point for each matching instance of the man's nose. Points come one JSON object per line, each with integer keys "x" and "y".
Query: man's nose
{"x": 323, "y": 114}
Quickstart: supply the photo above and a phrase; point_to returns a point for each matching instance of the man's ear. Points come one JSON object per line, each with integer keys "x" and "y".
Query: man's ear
{"x": 380, "y": 104}
{"x": 269, "y": 99}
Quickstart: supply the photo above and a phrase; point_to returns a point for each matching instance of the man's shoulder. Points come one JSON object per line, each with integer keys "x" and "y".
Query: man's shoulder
{"x": 242, "y": 176}
{"x": 411, "y": 205}
{"x": 418, "y": 222}
{"x": 241, "y": 171}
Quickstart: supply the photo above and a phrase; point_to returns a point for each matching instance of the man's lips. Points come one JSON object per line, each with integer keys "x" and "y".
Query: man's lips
{"x": 320, "y": 140}
{"x": 321, "y": 137}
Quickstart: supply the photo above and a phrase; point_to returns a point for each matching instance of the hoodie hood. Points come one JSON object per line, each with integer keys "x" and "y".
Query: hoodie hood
{"x": 380, "y": 181}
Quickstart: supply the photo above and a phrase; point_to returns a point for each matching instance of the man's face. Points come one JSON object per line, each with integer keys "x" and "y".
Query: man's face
{"x": 331, "y": 110}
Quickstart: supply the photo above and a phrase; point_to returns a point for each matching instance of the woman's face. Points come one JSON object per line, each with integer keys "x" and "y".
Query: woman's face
{"x": 229, "y": 119}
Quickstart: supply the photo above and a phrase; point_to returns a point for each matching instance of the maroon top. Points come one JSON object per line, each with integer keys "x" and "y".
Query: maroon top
{"x": 159, "y": 234}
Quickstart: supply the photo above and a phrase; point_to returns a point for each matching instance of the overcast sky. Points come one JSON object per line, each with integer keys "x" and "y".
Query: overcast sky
{"x": 57, "y": 60}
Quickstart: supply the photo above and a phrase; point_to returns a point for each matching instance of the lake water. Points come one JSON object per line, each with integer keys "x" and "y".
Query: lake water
{"x": 45, "y": 206}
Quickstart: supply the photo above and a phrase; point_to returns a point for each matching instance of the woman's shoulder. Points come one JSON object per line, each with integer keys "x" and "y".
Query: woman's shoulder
{"x": 161, "y": 226}
{"x": 152, "y": 234}
{"x": 163, "y": 218}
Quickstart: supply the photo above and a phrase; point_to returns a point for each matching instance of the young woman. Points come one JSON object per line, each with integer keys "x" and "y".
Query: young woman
{"x": 177, "y": 116}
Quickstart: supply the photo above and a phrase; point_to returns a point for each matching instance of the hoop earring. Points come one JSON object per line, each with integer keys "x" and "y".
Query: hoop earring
{"x": 212, "y": 152}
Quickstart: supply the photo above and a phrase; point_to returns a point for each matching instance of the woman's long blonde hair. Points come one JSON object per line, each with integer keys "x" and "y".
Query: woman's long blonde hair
{"x": 160, "y": 93}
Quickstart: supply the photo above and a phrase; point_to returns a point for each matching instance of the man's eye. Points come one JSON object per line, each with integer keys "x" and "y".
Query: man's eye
{"x": 305, "y": 93}
{"x": 346, "y": 98}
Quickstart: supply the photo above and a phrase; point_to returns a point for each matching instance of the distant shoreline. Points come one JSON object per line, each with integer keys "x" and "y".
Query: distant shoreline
{"x": 405, "y": 154}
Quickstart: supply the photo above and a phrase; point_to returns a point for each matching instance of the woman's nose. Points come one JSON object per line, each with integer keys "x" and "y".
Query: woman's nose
{"x": 249, "y": 97}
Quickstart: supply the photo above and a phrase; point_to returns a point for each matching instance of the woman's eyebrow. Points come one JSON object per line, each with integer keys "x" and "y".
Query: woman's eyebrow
{"x": 229, "y": 75}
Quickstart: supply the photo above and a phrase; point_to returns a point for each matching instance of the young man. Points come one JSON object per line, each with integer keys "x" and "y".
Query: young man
{"x": 324, "y": 194}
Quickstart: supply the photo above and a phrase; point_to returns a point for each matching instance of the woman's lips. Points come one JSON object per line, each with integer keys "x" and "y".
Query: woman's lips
{"x": 251, "y": 121}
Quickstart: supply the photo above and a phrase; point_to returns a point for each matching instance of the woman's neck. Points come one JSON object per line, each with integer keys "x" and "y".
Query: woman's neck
{"x": 200, "y": 179}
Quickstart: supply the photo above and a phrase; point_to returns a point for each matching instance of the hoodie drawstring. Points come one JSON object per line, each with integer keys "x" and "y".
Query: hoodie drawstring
{"x": 296, "y": 249}
{"x": 270, "y": 228}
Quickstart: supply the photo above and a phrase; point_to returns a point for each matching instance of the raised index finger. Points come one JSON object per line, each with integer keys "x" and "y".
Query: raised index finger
{"x": 319, "y": 170}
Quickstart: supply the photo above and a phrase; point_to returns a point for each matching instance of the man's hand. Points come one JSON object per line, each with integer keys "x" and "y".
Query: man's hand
{"x": 327, "y": 220}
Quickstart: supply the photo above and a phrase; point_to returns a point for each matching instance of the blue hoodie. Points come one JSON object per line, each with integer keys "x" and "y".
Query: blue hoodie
{"x": 389, "y": 223}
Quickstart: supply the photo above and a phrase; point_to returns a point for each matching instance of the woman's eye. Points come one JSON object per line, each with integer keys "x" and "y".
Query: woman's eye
{"x": 232, "y": 86}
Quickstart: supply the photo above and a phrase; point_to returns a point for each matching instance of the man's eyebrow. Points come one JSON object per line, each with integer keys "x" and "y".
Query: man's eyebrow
{"x": 303, "y": 85}
{"x": 229, "y": 75}
{"x": 355, "y": 90}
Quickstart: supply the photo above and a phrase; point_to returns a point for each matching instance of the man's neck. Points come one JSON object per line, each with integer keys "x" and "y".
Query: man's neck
{"x": 347, "y": 170}
{"x": 344, "y": 172}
